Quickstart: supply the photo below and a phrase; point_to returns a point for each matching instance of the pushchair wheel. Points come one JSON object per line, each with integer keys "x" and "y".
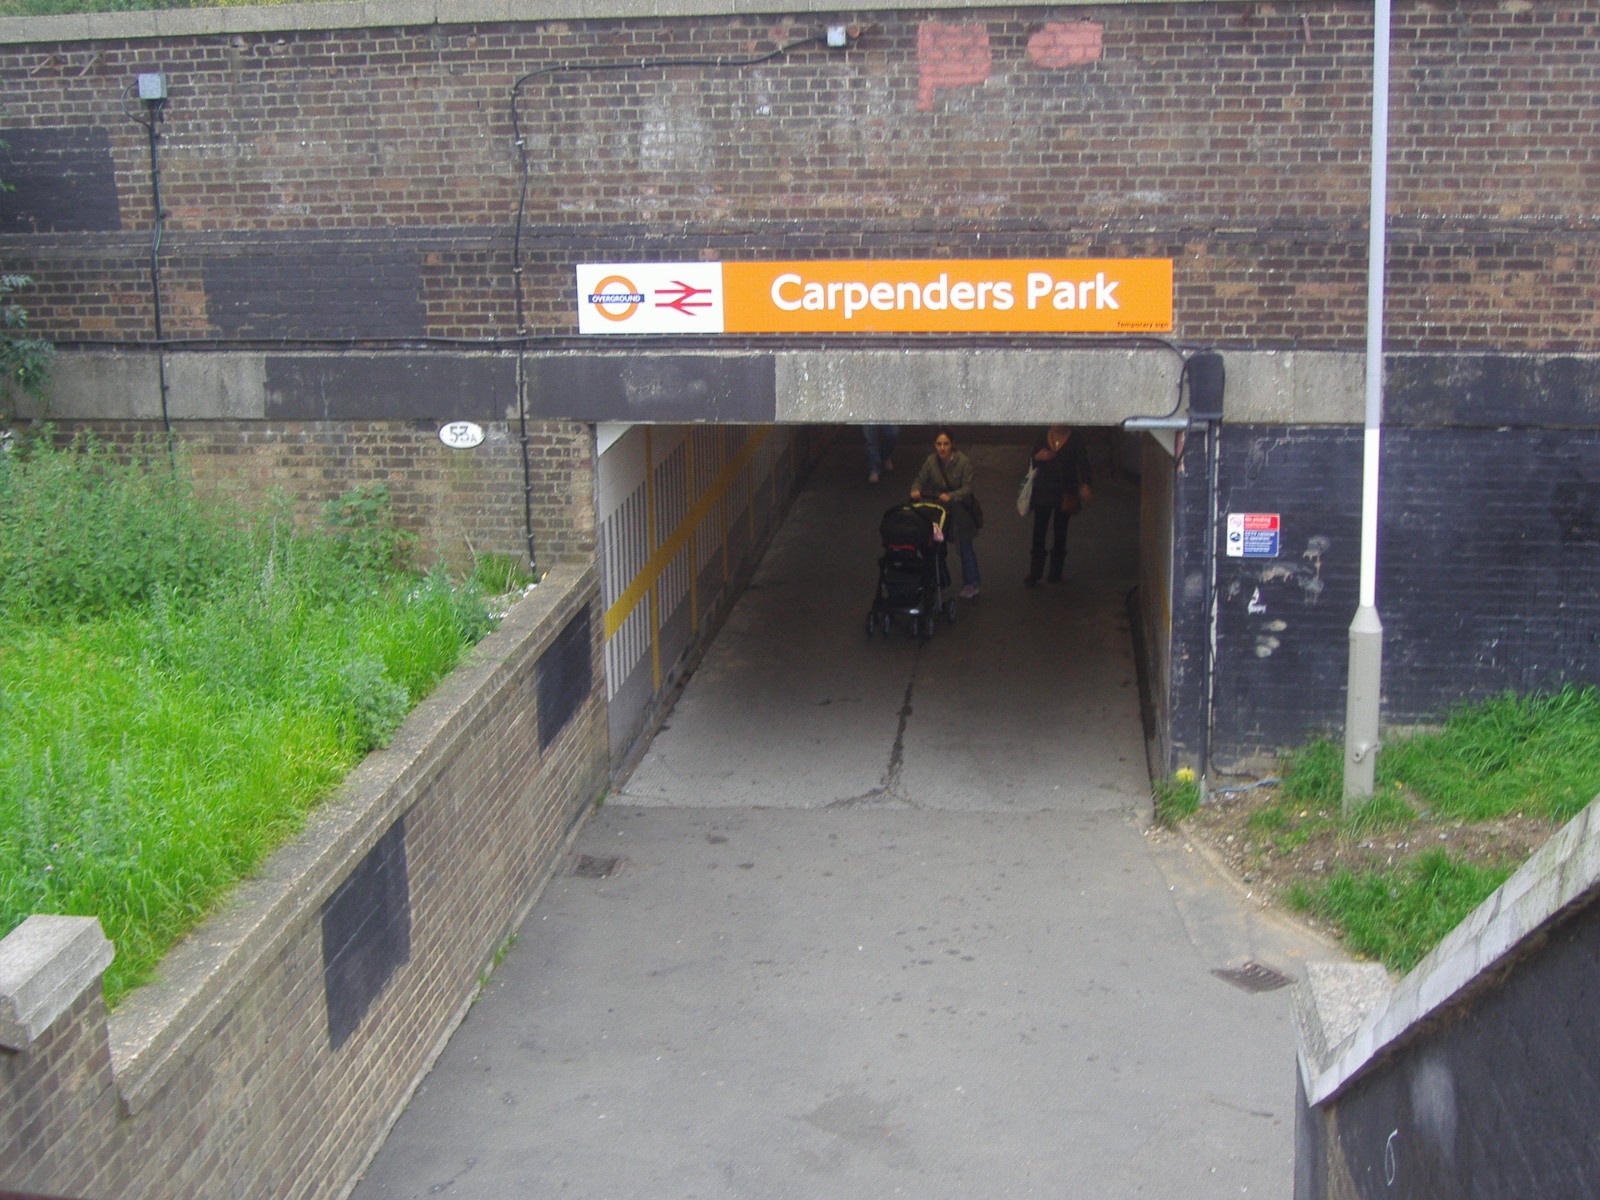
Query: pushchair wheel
{"x": 950, "y": 611}
{"x": 872, "y": 623}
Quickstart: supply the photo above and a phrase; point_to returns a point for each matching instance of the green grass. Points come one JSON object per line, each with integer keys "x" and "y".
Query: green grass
{"x": 1536, "y": 756}
{"x": 181, "y": 683}
{"x": 1398, "y": 916}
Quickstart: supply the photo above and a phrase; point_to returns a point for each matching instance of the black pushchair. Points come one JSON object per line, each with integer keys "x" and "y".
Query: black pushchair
{"x": 912, "y": 571}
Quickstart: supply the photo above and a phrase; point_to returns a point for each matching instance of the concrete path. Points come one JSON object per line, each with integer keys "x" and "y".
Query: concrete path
{"x": 886, "y": 920}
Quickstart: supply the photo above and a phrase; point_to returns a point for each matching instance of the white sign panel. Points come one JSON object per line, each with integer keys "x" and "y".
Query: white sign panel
{"x": 461, "y": 435}
{"x": 650, "y": 297}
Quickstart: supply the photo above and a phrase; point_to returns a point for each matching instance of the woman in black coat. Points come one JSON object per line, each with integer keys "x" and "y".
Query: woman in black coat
{"x": 1060, "y": 485}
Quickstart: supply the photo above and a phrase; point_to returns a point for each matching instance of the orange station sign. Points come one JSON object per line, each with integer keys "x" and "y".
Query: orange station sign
{"x": 897, "y": 296}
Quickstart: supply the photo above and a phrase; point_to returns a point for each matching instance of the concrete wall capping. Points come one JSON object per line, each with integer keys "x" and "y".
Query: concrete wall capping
{"x": 1101, "y": 385}
{"x": 359, "y": 14}
{"x": 155, "y": 1029}
{"x": 45, "y": 965}
{"x": 1557, "y": 878}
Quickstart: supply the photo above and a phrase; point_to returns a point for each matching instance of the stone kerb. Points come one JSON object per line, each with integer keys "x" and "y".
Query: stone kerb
{"x": 1347, "y": 1016}
{"x": 46, "y": 963}
{"x": 49, "y": 963}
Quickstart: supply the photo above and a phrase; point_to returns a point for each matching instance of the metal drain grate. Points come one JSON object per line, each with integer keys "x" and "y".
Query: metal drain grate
{"x": 1253, "y": 977}
{"x": 591, "y": 866}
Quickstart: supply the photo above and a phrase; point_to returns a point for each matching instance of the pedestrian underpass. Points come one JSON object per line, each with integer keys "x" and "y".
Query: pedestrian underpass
{"x": 880, "y": 916}
{"x": 1030, "y": 698}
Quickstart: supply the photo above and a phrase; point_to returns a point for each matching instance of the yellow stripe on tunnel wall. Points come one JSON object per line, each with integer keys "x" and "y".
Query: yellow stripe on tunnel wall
{"x": 668, "y": 550}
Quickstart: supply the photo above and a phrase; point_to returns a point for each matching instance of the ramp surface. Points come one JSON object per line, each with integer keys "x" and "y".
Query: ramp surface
{"x": 877, "y": 918}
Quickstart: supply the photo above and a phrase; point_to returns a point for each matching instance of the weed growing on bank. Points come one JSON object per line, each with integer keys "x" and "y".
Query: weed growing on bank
{"x": 181, "y": 682}
{"x": 1177, "y": 798}
{"x": 1453, "y": 813}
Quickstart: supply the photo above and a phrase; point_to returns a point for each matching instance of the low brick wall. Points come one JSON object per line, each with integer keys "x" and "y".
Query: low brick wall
{"x": 281, "y": 1039}
{"x": 1475, "y": 1074}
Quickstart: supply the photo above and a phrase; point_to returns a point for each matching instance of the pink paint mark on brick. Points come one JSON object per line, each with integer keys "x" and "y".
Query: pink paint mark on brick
{"x": 1067, "y": 43}
{"x": 950, "y": 56}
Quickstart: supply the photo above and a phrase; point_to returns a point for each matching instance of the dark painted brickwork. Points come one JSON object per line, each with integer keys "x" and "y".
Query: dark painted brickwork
{"x": 564, "y": 676}
{"x": 1231, "y": 137}
{"x": 1497, "y": 1101}
{"x": 1488, "y": 576}
{"x": 436, "y": 387}
{"x": 1491, "y": 389}
{"x": 1283, "y": 623}
{"x": 58, "y": 181}
{"x": 366, "y": 933}
{"x": 344, "y": 289}
{"x": 642, "y": 387}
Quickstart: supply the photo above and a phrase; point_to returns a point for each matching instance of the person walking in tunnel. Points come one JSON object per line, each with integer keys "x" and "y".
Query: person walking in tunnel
{"x": 1060, "y": 486}
{"x": 881, "y": 441}
{"x": 947, "y": 476}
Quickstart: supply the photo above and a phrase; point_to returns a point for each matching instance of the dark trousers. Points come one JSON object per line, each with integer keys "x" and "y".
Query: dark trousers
{"x": 1041, "y": 521}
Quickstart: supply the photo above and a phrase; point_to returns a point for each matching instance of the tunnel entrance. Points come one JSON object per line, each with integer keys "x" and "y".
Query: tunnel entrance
{"x": 769, "y": 534}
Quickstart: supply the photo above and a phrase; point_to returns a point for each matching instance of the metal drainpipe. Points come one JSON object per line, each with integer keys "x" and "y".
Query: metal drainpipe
{"x": 155, "y": 108}
{"x": 1208, "y": 684}
{"x": 1364, "y": 689}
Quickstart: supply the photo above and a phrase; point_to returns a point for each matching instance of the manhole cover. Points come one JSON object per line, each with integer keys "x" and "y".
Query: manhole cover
{"x": 1253, "y": 977}
{"x": 592, "y": 866}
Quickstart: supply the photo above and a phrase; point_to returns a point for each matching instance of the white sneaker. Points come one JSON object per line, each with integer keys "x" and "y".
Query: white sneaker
{"x": 872, "y": 477}
{"x": 970, "y": 592}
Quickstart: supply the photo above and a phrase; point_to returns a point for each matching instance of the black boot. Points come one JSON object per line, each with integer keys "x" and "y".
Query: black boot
{"x": 1035, "y": 569}
{"x": 1057, "y": 561}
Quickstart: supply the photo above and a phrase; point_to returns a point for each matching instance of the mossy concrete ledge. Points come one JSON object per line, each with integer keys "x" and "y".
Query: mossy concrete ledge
{"x": 227, "y": 1075}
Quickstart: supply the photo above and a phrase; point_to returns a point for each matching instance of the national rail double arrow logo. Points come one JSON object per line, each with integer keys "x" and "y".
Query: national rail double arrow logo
{"x": 685, "y": 297}
{"x": 616, "y": 298}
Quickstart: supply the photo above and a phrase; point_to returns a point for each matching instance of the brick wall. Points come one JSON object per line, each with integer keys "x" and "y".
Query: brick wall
{"x": 54, "y": 1090}
{"x": 361, "y": 183}
{"x": 225, "y": 1076}
{"x": 458, "y": 501}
